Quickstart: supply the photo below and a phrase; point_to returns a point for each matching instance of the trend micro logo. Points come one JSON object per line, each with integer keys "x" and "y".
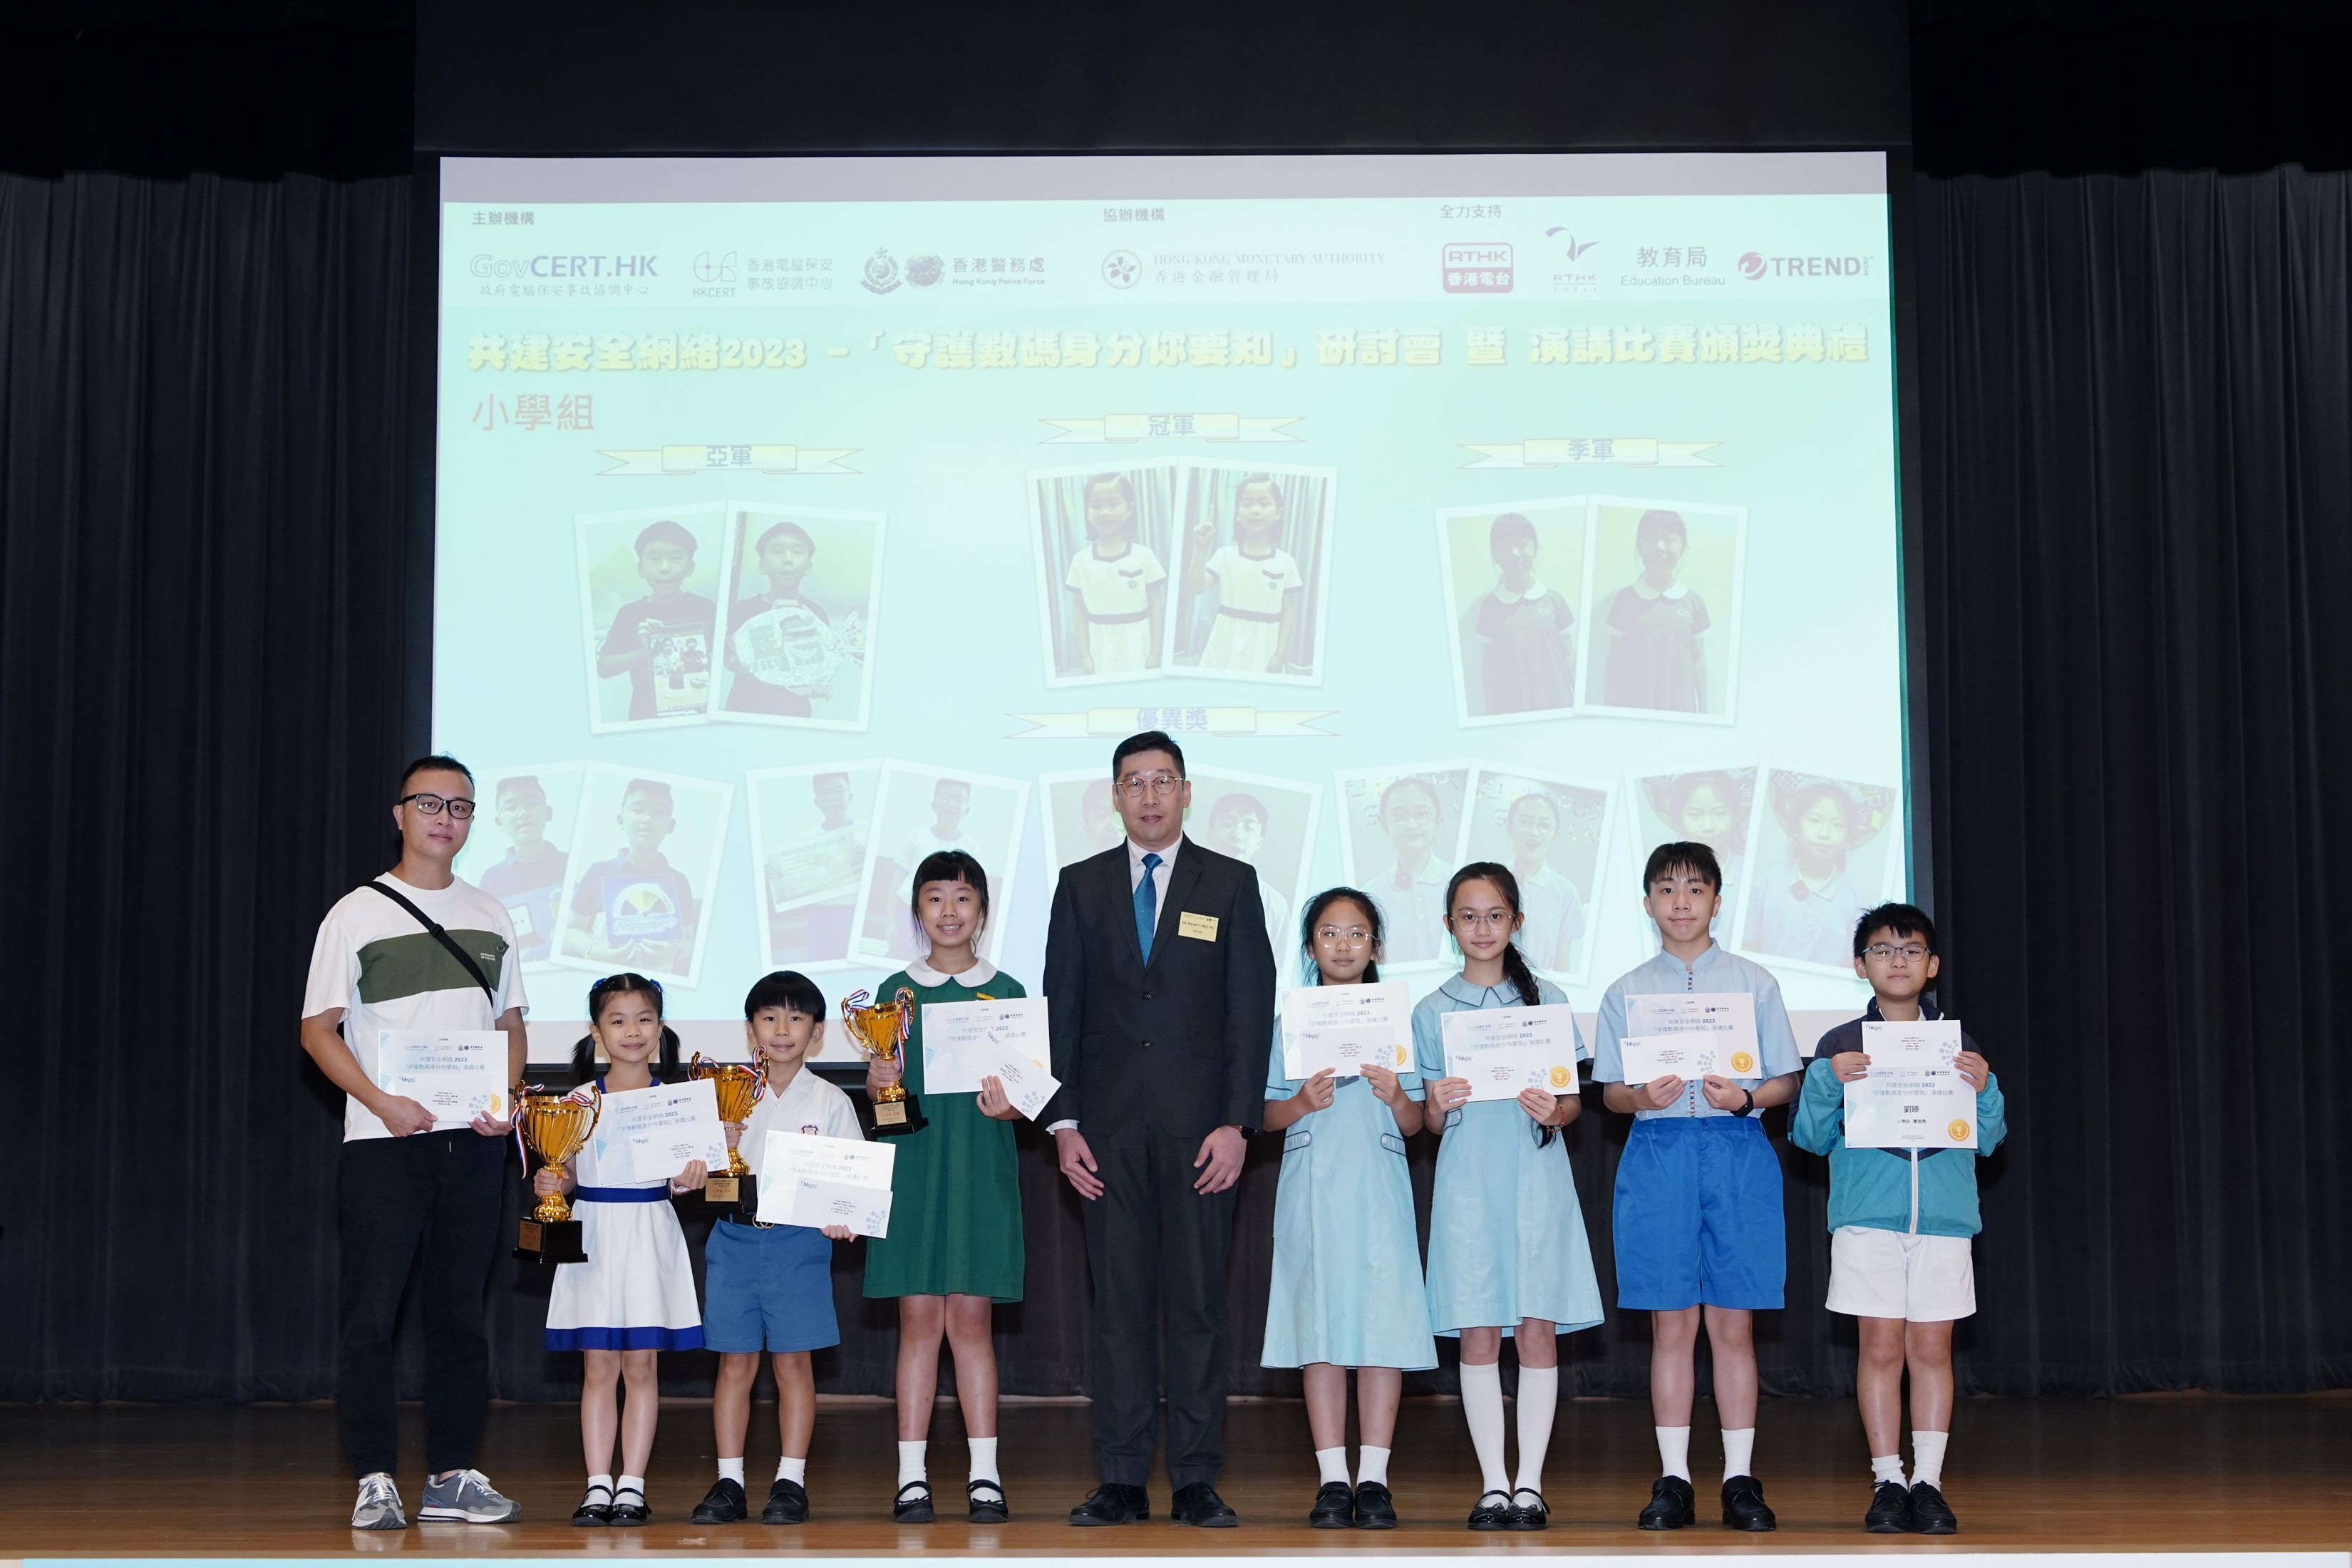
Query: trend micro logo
{"x": 1754, "y": 266}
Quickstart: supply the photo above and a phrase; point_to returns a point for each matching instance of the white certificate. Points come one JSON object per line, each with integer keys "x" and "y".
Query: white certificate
{"x": 964, "y": 1042}
{"x": 1728, "y": 1018}
{"x": 812, "y": 1181}
{"x": 456, "y": 1075}
{"x": 1923, "y": 1045}
{"x": 1901, "y": 1109}
{"x": 1346, "y": 1028}
{"x": 1649, "y": 1058}
{"x": 652, "y": 1134}
{"x": 1502, "y": 1050}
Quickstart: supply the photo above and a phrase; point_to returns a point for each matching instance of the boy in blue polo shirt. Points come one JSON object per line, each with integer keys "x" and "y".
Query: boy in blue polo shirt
{"x": 1697, "y": 1211}
{"x": 1900, "y": 1224}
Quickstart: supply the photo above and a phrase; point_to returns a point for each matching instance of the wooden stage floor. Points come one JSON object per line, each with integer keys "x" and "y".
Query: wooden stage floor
{"x": 2181, "y": 1473}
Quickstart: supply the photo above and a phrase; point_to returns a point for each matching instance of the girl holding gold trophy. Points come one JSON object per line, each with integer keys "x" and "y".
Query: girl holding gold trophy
{"x": 634, "y": 1296}
{"x": 954, "y": 1247}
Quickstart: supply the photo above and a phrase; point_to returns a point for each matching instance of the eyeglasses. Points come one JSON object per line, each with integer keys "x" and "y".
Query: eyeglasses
{"x": 1135, "y": 786}
{"x": 1353, "y": 936}
{"x": 1471, "y": 920}
{"x": 459, "y": 806}
{"x": 1885, "y": 951}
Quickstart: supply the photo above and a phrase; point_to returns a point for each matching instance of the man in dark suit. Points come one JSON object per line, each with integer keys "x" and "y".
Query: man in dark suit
{"x": 1161, "y": 984}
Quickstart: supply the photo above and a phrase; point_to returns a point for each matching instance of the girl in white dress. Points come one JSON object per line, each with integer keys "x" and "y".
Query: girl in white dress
{"x": 633, "y": 1297}
{"x": 1259, "y": 585}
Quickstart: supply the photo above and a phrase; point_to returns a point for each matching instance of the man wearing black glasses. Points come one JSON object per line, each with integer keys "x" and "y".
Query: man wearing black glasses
{"x": 1161, "y": 984}
{"x": 416, "y": 949}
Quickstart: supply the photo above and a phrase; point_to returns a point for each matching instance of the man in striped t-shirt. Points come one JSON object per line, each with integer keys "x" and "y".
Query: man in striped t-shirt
{"x": 378, "y": 965}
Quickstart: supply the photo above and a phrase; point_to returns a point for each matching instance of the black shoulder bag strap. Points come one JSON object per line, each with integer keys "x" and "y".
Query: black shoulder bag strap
{"x": 442, "y": 936}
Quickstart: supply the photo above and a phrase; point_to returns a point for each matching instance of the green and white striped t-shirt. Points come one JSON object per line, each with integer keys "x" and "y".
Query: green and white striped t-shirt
{"x": 386, "y": 972}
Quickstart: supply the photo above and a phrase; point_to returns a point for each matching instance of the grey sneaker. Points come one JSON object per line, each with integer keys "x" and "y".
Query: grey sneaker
{"x": 379, "y": 1504}
{"x": 466, "y": 1498}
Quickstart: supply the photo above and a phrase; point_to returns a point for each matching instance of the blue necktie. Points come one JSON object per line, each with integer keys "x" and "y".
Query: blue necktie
{"x": 1146, "y": 906}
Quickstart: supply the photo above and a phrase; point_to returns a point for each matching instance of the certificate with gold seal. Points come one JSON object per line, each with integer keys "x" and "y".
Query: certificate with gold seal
{"x": 1344, "y": 1028}
{"x": 1914, "y": 1097}
{"x": 1727, "y": 1020}
{"x": 1502, "y": 1050}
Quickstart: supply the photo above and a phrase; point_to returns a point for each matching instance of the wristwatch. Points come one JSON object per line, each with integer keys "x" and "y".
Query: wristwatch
{"x": 1748, "y": 1109}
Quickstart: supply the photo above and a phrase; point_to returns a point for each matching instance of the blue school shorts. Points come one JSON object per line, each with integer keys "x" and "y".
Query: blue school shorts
{"x": 1697, "y": 1216}
{"x": 768, "y": 1287}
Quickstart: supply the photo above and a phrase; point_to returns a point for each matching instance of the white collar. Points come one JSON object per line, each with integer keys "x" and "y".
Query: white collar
{"x": 1136, "y": 852}
{"x": 1641, "y": 587}
{"x": 1536, "y": 590}
{"x": 1432, "y": 875}
{"x": 971, "y": 979}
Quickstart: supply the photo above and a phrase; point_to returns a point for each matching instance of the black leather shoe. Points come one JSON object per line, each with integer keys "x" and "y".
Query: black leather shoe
{"x": 722, "y": 1504}
{"x": 1491, "y": 1512}
{"x": 1200, "y": 1504}
{"x": 1335, "y": 1507}
{"x": 1743, "y": 1505}
{"x": 1930, "y": 1514}
{"x": 984, "y": 1502}
{"x": 1890, "y": 1509}
{"x": 913, "y": 1504}
{"x": 787, "y": 1504}
{"x": 1531, "y": 1515}
{"x": 1672, "y": 1505}
{"x": 629, "y": 1508}
{"x": 1111, "y": 1503}
{"x": 595, "y": 1509}
{"x": 1375, "y": 1509}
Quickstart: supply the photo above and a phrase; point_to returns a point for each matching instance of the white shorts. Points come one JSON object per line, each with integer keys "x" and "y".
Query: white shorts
{"x": 1887, "y": 1274}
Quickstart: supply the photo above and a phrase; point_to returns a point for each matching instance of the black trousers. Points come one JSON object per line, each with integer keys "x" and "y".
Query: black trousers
{"x": 439, "y": 1192}
{"x": 1153, "y": 1243}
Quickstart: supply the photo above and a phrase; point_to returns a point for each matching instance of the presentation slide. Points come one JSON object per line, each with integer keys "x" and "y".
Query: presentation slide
{"x": 797, "y": 517}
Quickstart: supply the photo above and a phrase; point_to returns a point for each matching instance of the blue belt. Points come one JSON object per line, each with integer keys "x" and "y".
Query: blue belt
{"x": 622, "y": 1194}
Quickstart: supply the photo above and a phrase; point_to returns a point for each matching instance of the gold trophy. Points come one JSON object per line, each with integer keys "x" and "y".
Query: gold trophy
{"x": 737, "y": 1087}
{"x": 556, "y": 1126}
{"x": 879, "y": 1030}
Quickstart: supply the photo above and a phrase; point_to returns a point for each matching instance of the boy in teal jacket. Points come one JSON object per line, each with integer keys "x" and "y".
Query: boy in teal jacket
{"x": 1900, "y": 1224}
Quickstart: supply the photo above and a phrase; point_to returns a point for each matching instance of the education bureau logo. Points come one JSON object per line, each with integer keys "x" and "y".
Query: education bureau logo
{"x": 881, "y": 272}
{"x": 925, "y": 270}
{"x": 1479, "y": 266}
{"x": 1120, "y": 269}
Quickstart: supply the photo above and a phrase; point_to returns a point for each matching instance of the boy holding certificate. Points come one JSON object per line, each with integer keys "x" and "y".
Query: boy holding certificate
{"x": 1693, "y": 1043}
{"x": 1900, "y": 1224}
{"x": 770, "y": 1286}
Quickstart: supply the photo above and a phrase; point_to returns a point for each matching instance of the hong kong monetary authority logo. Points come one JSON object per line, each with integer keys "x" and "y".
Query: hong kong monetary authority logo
{"x": 881, "y": 272}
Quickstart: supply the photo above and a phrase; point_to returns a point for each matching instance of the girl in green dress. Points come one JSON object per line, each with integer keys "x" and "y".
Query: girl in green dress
{"x": 954, "y": 1247}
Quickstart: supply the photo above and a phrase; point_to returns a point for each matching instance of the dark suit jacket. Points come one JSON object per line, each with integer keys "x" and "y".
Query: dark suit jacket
{"x": 1179, "y": 1046}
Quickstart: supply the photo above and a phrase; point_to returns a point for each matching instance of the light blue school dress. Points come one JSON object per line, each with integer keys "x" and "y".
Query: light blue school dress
{"x": 1506, "y": 1235}
{"x": 1347, "y": 1257}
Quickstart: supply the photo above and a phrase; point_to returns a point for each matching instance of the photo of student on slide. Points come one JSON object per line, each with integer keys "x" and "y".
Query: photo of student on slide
{"x": 807, "y": 584}
{"x": 923, "y": 811}
{"x": 1267, "y": 825}
{"x": 1551, "y": 833}
{"x": 529, "y": 880}
{"x": 1102, "y": 536}
{"x": 661, "y": 642}
{"x": 1820, "y": 842}
{"x": 1703, "y": 806}
{"x": 811, "y": 839}
{"x": 635, "y": 910}
{"x": 1249, "y": 600}
{"x": 1401, "y": 843}
{"x": 1665, "y": 642}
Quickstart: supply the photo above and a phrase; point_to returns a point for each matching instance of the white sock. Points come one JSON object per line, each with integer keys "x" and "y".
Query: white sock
{"x": 911, "y": 1462}
{"x": 1884, "y": 1467}
{"x": 1331, "y": 1465}
{"x": 793, "y": 1470}
{"x": 1482, "y": 1406}
{"x": 1538, "y": 1398}
{"x": 1674, "y": 1451}
{"x": 1739, "y": 1451}
{"x": 1928, "y": 1457}
{"x": 630, "y": 1484}
{"x": 984, "y": 1459}
{"x": 1373, "y": 1467}
{"x": 604, "y": 1481}
{"x": 731, "y": 1470}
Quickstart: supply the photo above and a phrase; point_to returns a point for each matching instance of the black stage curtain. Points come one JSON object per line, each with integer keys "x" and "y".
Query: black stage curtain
{"x": 213, "y": 623}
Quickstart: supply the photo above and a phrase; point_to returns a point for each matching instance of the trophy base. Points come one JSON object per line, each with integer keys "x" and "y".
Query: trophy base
{"x": 723, "y": 1189}
{"x": 896, "y": 1118}
{"x": 553, "y": 1241}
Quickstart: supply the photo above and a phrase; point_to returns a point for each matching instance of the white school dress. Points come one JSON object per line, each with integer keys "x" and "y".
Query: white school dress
{"x": 1250, "y": 594}
{"x": 1116, "y": 594}
{"x": 1505, "y": 1233}
{"x": 636, "y": 1292}
{"x": 1346, "y": 1286}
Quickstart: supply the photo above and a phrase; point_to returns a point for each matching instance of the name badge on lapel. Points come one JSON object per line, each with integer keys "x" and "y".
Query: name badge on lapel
{"x": 1200, "y": 927}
